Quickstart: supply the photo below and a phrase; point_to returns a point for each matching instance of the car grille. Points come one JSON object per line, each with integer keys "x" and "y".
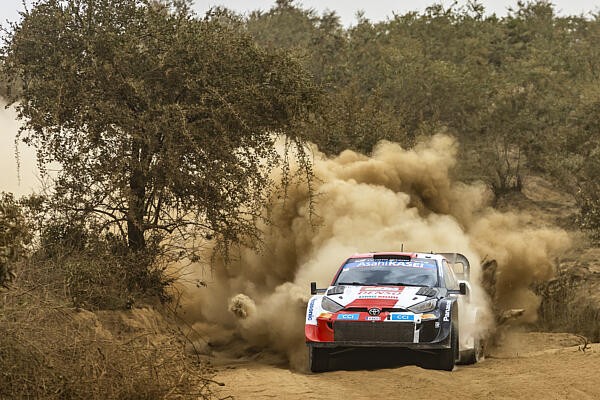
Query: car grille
{"x": 346, "y": 331}
{"x": 366, "y": 309}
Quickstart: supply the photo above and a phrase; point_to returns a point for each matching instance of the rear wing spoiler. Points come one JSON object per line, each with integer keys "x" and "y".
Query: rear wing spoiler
{"x": 459, "y": 264}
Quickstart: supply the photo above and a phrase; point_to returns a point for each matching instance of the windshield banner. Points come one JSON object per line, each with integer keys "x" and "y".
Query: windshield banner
{"x": 369, "y": 262}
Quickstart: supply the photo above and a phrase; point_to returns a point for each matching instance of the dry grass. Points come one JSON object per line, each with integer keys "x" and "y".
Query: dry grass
{"x": 571, "y": 303}
{"x": 51, "y": 350}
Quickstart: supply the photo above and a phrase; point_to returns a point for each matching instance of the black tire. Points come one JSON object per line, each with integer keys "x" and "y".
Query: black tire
{"x": 447, "y": 358}
{"x": 474, "y": 355}
{"x": 318, "y": 359}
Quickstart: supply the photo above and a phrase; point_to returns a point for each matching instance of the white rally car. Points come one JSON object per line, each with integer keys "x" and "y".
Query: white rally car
{"x": 404, "y": 300}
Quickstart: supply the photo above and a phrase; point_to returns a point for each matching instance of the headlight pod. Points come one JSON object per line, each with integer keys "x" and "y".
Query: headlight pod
{"x": 425, "y": 306}
{"x": 330, "y": 305}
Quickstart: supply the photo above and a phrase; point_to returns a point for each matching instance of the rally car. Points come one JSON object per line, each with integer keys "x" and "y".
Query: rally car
{"x": 403, "y": 300}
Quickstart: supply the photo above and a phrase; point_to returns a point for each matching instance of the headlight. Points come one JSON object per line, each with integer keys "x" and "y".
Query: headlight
{"x": 425, "y": 306}
{"x": 330, "y": 305}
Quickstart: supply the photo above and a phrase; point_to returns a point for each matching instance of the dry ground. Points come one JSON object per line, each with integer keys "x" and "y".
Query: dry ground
{"x": 525, "y": 366}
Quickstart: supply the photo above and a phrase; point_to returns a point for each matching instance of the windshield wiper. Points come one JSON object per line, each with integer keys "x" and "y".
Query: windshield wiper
{"x": 399, "y": 284}
{"x": 353, "y": 283}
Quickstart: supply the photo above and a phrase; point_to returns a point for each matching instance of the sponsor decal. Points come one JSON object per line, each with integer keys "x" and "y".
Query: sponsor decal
{"x": 369, "y": 262}
{"x": 402, "y": 317}
{"x": 351, "y": 317}
{"x": 447, "y": 313}
{"x": 384, "y": 289}
{"x": 373, "y": 295}
{"x": 371, "y": 318}
{"x": 382, "y": 263}
{"x": 311, "y": 307}
{"x": 390, "y": 293}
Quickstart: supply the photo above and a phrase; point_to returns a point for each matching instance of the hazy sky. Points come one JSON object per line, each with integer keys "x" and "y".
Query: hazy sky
{"x": 380, "y": 9}
{"x": 9, "y": 177}
{"x": 374, "y": 9}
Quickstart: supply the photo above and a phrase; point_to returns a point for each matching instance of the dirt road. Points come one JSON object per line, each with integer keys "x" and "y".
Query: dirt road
{"x": 525, "y": 366}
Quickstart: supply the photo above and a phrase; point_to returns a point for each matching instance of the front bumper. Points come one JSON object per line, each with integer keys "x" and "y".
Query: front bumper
{"x": 430, "y": 334}
{"x": 404, "y": 345}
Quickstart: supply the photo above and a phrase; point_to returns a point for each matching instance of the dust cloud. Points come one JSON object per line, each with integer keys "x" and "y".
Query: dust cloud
{"x": 393, "y": 198}
{"x": 23, "y": 177}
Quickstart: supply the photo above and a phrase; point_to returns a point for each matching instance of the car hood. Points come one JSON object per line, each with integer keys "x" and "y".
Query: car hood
{"x": 377, "y": 296}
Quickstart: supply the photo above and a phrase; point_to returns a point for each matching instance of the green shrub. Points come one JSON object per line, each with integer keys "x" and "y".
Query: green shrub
{"x": 15, "y": 235}
{"x": 97, "y": 272}
{"x": 112, "y": 282}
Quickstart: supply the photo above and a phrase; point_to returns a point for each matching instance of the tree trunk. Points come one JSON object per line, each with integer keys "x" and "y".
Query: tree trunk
{"x": 137, "y": 196}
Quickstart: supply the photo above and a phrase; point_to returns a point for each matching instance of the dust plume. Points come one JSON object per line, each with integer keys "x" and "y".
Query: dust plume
{"x": 393, "y": 198}
{"x": 20, "y": 178}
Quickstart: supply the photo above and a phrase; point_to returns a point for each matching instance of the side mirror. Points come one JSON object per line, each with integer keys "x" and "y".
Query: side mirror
{"x": 462, "y": 286}
{"x": 313, "y": 288}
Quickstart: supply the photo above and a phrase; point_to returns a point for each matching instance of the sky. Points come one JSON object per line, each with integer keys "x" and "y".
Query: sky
{"x": 379, "y": 10}
{"x": 375, "y": 10}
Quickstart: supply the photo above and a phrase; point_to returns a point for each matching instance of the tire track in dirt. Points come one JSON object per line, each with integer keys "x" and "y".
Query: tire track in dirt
{"x": 526, "y": 366}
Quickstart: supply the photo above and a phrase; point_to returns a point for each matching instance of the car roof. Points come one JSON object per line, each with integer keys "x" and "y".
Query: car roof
{"x": 432, "y": 256}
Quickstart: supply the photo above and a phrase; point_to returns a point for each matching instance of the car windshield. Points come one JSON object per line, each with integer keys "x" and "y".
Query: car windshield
{"x": 369, "y": 271}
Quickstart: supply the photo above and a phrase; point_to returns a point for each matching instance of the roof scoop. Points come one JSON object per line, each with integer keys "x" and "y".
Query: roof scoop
{"x": 383, "y": 256}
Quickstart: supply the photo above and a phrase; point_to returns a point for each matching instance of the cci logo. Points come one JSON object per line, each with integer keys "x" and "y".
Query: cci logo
{"x": 347, "y": 316}
{"x": 402, "y": 317}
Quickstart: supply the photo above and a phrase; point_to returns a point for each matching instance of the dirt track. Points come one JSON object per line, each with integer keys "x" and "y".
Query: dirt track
{"x": 526, "y": 366}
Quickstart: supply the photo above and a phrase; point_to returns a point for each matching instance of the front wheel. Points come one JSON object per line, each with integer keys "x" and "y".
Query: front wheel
{"x": 447, "y": 357}
{"x": 318, "y": 359}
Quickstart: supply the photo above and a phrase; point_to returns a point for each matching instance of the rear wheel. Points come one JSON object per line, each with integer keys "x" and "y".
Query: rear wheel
{"x": 318, "y": 359}
{"x": 474, "y": 355}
